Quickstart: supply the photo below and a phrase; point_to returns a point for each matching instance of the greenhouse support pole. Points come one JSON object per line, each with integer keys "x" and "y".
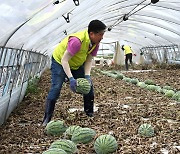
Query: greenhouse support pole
{"x": 37, "y": 64}
{"x": 16, "y": 68}
{"x": 40, "y": 64}
{"x": 19, "y": 62}
{"x": 8, "y": 75}
{"x": 1, "y": 53}
{"x": 31, "y": 67}
{"x": 3, "y": 59}
{"x": 10, "y": 93}
{"x": 24, "y": 72}
{"x": 44, "y": 62}
{"x": 2, "y": 69}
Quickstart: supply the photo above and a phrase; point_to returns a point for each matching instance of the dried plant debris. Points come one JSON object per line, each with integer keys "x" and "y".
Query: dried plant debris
{"x": 120, "y": 109}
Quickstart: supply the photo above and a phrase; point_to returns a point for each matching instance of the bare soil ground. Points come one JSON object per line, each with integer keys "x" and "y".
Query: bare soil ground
{"x": 121, "y": 108}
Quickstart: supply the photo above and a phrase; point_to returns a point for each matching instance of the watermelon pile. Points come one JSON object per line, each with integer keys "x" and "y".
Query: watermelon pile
{"x": 77, "y": 134}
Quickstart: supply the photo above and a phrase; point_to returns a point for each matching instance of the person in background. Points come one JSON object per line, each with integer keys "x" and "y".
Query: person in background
{"x": 72, "y": 59}
{"x": 128, "y": 55}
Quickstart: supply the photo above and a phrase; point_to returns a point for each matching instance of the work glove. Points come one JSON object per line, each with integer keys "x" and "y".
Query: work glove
{"x": 73, "y": 84}
{"x": 88, "y": 77}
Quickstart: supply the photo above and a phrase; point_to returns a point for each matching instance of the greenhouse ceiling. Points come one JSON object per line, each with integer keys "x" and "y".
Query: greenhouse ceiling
{"x": 41, "y": 25}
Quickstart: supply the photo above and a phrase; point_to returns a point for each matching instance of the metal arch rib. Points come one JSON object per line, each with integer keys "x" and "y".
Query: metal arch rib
{"x": 156, "y": 26}
{"x": 170, "y": 21}
{"x": 123, "y": 7}
{"x": 147, "y": 32}
{"x": 130, "y": 38}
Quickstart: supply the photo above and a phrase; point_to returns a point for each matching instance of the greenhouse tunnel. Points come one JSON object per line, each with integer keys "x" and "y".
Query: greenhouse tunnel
{"x": 30, "y": 30}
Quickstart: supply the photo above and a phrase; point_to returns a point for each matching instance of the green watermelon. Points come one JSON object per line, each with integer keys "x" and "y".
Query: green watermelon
{"x": 149, "y": 82}
{"x": 119, "y": 76}
{"x": 54, "y": 151}
{"x": 104, "y": 72}
{"x": 168, "y": 88}
{"x": 113, "y": 72}
{"x": 169, "y": 93}
{"x": 68, "y": 146}
{"x": 71, "y": 130}
{"x": 151, "y": 87}
{"x": 105, "y": 144}
{"x": 164, "y": 91}
{"x": 111, "y": 75}
{"x": 134, "y": 81}
{"x": 84, "y": 135}
{"x": 99, "y": 70}
{"x": 158, "y": 89}
{"x": 127, "y": 79}
{"x": 146, "y": 130}
{"x": 142, "y": 84}
{"x": 55, "y": 127}
{"x": 83, "y": 86}
{"x": 176, "y": 96}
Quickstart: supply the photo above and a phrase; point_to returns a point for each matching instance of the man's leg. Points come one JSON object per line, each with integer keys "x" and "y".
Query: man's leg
{"x": 88, "y": 98}
{"x": 126, "y": 62}
{"x": 57, "y": 79}
{"x": 49, "y": 108}
{"x": 89, "y": 102}
{"x": 130, "y": 60}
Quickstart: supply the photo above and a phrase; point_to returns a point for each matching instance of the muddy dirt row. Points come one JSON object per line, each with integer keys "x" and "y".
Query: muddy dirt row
{"x": 120, "y": 108}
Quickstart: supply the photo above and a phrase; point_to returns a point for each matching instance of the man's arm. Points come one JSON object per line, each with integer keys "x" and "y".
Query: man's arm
{"x": 133, "y": 52}
{"x": 88, "y": 65}
{"x": 66, "y": 57}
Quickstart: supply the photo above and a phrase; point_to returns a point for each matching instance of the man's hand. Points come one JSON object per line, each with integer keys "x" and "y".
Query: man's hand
{"x": 134, "y": 54}
{"x": 88, "y": 77}
{"x": 73, "y": 84}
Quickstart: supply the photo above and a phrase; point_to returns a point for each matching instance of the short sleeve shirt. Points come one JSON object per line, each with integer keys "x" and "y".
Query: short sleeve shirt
{"x": 74, "y": 45}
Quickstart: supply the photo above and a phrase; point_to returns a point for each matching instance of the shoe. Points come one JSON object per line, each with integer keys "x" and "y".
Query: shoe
{"x": 49, "y": 108}
{"x": 46, "y": 119}
{"x": 45, "y": 122}
{"x": 90, "y": 114}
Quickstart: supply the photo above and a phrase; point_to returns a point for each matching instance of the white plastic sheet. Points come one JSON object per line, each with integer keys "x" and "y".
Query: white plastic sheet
{"x": 44, "y": 24}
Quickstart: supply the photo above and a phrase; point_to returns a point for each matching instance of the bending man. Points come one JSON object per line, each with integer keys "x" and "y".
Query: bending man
{"x": 72, "y": 58}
